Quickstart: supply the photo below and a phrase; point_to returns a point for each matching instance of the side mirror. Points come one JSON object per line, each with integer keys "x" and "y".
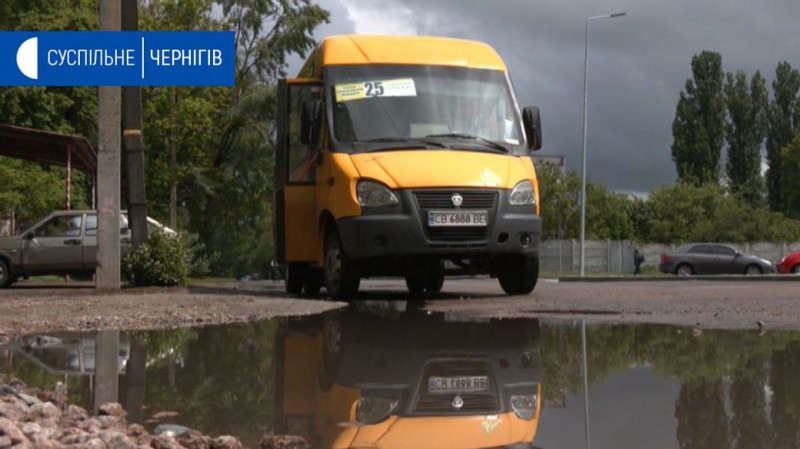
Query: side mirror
{"x": 310, "y": 121}
{"x": 533, "y": 127}
{"x": 28, "y": 236}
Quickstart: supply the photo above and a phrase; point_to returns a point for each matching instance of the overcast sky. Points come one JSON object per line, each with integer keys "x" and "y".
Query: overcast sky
{"x": 638, "y": 64}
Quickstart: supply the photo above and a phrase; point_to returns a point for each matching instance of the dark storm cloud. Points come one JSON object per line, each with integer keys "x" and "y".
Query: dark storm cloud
{"x": 638, "y": 64}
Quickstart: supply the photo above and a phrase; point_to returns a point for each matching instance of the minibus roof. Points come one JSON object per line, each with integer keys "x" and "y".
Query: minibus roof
{"x": 423, "y": 50}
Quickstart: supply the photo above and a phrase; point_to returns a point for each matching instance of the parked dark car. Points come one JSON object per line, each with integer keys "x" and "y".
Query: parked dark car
{"x": 712, "y": 258}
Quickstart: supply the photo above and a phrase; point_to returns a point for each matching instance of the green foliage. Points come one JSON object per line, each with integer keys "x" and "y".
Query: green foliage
{"x": 790, "y": 185}
{"x": 686, "y": 212}
{"x": 745, "y": 130}
{"x": 784, "y": 125}
{"x": 34, "y": 191}
{"x": 61, "y": 109}
{"x": 699, "y": 121}
{"x": 30, "y": 189}
{"x": 606, "y": 212}
{"x": 558, "y": 204}
{"x": 163, "y": 260}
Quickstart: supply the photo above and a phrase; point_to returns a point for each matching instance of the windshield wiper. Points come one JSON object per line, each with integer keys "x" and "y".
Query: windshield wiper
{"x": 491, "y": 143}
{"x": 411, "y": 142}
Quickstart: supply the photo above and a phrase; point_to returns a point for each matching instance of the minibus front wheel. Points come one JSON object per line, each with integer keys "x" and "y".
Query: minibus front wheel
{"x": 518, "y": 274}
{"x": 341, "y": 273}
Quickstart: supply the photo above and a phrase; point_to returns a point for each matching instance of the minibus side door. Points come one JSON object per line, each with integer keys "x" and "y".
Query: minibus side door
{"x": 295, "y": 173}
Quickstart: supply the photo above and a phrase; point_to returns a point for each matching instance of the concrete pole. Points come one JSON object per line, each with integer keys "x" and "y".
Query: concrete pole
{"x": 108, "y": 167}
{"x": 134, "y": 143}
{"x": 68, "y": 182}
{"x": 106, "y": 367}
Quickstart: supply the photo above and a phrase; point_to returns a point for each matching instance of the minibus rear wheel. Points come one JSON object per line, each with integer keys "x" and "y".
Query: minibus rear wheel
{"x": 341, "y": 275}
{"x": 295, "y": 277}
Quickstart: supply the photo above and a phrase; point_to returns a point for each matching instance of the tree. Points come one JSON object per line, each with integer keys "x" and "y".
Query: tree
{"x": 784, "y": 124}
{"x": 686, "y": 212}
{"x": 34, "y": 190}
{"x": 790, "y": 185}
{"x": 210, "y": 149}
{"x": 698, "y": 128}
{"x": 745, "y": 130}
{"x": 558, "y": 204}
{"x": 607, "y": 214}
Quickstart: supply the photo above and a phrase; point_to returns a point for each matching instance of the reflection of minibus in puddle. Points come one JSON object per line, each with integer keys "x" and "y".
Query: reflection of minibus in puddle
{"x": 413, "y": 381}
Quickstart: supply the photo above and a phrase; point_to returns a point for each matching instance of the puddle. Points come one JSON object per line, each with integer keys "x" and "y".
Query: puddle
{"x": 385, "y": 377}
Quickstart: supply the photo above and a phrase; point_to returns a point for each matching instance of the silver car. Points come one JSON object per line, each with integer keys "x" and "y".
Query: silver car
{"x": 712, "y": 258}
{"x": 64, "y": 242}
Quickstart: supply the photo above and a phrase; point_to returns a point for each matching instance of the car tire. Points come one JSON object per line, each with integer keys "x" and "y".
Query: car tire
{"x": 752, "y": 270}
{"x": 796, "y": 269}
{"x": 518, "y": 274}
{"x": 415, "y": 284}
{"x": 295, "y": 277}
{"x": 5, "y": 274}
{"x": 340, "y": 272}
{"x": 684, "y": 270}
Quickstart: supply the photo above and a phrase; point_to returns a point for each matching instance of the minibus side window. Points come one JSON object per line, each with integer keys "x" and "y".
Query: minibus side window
{"x": 301, "y": 158}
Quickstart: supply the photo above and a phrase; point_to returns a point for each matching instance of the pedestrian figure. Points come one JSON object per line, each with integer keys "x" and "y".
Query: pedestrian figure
{"x": 638, "y": 258}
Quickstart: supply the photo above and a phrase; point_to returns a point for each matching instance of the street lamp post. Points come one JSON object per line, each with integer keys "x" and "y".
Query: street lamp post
{"x": 585, "y": 98}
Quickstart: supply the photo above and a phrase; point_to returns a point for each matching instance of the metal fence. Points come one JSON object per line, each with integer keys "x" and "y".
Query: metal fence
{"x": 616, "y": 256}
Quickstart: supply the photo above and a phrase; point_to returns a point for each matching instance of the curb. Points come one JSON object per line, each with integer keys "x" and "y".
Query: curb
{"x": 733, "y": 277}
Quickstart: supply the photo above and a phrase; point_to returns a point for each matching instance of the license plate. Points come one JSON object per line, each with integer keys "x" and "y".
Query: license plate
{"x": 463, "y": 383}
{"x": 458, "y": 218}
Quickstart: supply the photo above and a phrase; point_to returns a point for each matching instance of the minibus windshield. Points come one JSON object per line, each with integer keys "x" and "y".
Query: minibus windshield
{"x": 378, "y": 107}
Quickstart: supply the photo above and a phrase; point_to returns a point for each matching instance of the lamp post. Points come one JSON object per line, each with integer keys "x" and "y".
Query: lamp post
{"x": 585, "y": 98}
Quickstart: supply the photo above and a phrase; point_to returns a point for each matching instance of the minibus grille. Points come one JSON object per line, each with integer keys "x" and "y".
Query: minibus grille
{"x": 443, "y": 200}
{"x": 443, "y": 403}
{"x": 440, "y": 199}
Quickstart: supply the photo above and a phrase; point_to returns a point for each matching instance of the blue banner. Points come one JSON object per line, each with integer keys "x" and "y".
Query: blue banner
{"x": 117, "y": 58}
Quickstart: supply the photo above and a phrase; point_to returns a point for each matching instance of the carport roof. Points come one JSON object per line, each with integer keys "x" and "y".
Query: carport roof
{"x": 47, "y": 147}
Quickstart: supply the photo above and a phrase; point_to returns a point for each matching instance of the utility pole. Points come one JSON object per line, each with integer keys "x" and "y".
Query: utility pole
{"x": 108, "y": 167}
{"x": 134, "y": 143}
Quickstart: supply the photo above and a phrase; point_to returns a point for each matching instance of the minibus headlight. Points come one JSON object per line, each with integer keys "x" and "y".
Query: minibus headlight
{"x": 371, "y": 193}
{"x": 522, "y": 194}
{"x": 372, "y": 410}
{"x": 524, "y": 406}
